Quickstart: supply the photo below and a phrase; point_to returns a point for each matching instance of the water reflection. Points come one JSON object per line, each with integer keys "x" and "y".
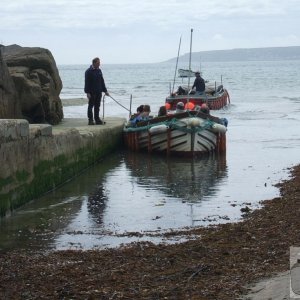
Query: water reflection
{"x": 96, "y": 203}
{"x": 39, "y": 223}
{"x": 184, "y": 178}
{"x": 126, "y": 193}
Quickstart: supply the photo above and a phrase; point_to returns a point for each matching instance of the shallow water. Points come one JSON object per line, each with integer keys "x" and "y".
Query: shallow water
{"x": 130, "y": 197}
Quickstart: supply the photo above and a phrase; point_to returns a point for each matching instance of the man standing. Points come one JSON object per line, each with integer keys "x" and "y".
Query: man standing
{"x": 199, "y": 83}
{"x": 94, "y": 86}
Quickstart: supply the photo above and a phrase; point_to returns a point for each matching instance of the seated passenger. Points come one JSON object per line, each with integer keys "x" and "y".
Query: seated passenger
{"x": 181, "y": 91}
{"x": 179, "y": 108}
{"x": 224, "y": 122}
{"x": 204, "y": 108}
{"x": 139, "y": 110}
{"x": 197, "y": 108}
{"x": 162, "y": 111}
{"x": 135, "y": 118}
{"x": 145, "y": 115}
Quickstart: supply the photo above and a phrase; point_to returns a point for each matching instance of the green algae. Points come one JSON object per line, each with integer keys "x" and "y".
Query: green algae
{"x": 22, "y": 176}
{"x": 49, "y": 174}
{"x": 5, "y": 181}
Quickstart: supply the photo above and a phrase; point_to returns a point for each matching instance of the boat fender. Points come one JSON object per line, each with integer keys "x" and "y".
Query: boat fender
{"x": 193, "y": 122}
{"x": 219, "y": 128}
{"x": 158, "y": 129}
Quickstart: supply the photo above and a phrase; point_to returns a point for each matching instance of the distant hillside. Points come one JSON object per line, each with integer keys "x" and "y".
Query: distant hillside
{"x": 272, "y": 53}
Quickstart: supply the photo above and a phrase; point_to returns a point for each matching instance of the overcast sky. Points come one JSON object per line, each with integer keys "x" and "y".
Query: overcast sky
{"x": 145, "y": 31}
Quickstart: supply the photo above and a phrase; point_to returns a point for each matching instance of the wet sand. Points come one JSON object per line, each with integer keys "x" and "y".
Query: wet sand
{"x": 219, "y": 264}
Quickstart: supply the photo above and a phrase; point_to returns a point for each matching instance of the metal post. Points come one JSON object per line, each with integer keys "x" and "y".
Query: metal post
{"x": 130, "y": 106}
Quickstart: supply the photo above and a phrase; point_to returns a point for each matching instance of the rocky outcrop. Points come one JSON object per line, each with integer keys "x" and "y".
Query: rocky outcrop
{"x": 9, "y": 106}
{"x": 37, "y": 83}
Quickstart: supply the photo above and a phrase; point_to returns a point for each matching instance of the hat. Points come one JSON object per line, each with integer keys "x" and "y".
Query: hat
{"x": 179, "y": 107}
{"x": 197, "y": 73}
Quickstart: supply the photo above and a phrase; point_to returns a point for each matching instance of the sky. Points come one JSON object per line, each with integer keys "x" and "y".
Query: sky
{"x": 142, "y": 31}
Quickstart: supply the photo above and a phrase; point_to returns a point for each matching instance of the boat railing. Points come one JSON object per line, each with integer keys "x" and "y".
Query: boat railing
{"x": 191, "y": 113}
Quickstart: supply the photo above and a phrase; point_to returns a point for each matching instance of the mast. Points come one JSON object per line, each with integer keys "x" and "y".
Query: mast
{"x": 176, "y": 65}
{"x": 190, "y": 58}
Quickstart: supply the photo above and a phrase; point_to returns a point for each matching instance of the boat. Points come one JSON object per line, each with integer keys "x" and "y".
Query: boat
{"x": 215, "y": 96}
{"x": 186, "y": 73}
{"x": 190, "y": 133}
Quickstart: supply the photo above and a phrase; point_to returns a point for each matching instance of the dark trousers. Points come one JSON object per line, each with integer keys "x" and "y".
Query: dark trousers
{"x": 94, "y": 102}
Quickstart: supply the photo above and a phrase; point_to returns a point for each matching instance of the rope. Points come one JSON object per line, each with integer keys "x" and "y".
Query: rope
{"x": 119, "y": 103}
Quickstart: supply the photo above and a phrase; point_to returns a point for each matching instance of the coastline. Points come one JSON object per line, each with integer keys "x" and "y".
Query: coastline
{"x": 219, "y": 264}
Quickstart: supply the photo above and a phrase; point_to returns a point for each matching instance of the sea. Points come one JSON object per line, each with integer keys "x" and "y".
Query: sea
{"x": 130, "y": 197}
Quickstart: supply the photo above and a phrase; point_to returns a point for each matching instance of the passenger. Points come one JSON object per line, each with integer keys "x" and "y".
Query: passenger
{"x": 197, "y": 108}
{"x": 179, "y": 108}
{"x": 224, "y": 122}
{"x": 145, "y": 115}
{"x": 162, "y": 111}
{"x": 181, "y": 91}
{"x": 135, "y": 118}
{"x": 139, "y": 110}
{"x": 199, "y": 83}
{"x": 204, "y": 108}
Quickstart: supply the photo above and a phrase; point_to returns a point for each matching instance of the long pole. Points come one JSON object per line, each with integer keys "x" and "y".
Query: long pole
{"x": 130, "y": 106}
{"x": 190, "y": 58}
{"x": 103, "y": 109}
{"x": 176, "y": 65}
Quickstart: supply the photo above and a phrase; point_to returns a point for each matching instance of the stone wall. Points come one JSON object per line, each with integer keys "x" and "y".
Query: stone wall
{"x": 37, "y": 158}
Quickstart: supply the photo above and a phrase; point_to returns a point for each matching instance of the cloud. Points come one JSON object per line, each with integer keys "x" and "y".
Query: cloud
{"x": 111, "y": 14}
{"x": 148, "y": 30}
{"x": 217, "y": 37}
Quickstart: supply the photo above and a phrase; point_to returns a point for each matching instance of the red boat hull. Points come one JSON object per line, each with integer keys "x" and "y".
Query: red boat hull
{"x": 214, "y": 102}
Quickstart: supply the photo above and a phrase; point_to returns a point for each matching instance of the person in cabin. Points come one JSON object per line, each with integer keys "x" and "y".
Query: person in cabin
{"x": 94, "y": 86}
{"x": 199, "y": 84}
{"x": 179, "y": 108}
{"x": 162, "y": 111}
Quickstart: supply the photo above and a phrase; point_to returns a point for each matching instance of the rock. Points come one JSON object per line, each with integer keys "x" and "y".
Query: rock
{"x": 9, "y": 106}
{"x": 37, "y": 83}
{"x": 245, "y": 209}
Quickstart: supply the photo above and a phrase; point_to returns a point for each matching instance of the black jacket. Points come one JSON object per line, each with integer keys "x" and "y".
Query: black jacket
{"x": 94, "y": 81}
{"x": 199, "y": 84}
